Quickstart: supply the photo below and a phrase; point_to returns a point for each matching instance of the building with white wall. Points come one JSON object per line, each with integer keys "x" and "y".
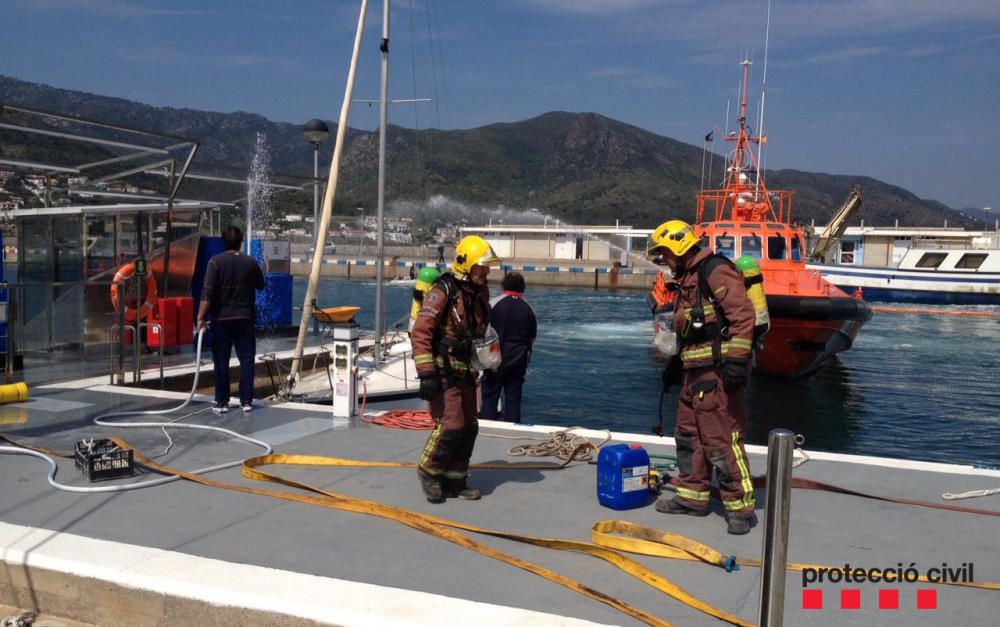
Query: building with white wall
{"x": 602, "y": 244}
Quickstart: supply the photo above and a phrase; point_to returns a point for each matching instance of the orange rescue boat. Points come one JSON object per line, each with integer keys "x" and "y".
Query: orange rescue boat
{"x": 811, "y": 319}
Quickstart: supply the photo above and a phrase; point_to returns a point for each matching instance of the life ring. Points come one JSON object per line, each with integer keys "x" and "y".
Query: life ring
{"x": 123, "y": 275}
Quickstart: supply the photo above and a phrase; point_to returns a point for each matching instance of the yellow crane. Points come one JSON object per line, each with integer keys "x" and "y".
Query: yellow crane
{"x": 836, "y": 226}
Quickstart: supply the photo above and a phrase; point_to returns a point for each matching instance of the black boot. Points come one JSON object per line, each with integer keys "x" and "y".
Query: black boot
{"x": 673, "y": 506}
{"x": 457, "y": 488}
{"x": 431, "y": 486}
{"x": 739, "y": 525}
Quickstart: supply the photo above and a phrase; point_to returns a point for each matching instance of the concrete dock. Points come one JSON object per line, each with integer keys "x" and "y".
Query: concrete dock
{"x": 183, "y": 553}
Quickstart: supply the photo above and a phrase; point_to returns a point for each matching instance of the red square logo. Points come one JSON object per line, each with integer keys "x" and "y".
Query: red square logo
{"x": 888, "y": 599}
{"x": 812, "y": 599}
{"x": 850, "y": 599}
{"x": 926, "y": 599}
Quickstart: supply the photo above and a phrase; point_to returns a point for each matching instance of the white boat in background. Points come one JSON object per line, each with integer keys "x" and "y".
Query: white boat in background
{"x": 926, "y": 265}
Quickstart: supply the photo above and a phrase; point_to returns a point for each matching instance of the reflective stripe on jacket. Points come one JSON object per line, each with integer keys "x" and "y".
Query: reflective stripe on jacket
{"x": 438, "y": 321}
{"x": 726, "y": 283}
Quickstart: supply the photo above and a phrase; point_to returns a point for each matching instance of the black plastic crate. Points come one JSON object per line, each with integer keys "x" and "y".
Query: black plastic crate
{"x": 100, "y": 460}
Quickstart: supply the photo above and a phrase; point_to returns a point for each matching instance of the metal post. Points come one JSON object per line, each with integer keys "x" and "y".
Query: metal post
{"x": 780, "y": 450}
{"x": 316, "y": 214}
{"x": 11, "y": 320}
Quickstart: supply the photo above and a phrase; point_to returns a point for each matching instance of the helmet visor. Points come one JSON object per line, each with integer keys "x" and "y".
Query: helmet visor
{"x": 488, "y": 258}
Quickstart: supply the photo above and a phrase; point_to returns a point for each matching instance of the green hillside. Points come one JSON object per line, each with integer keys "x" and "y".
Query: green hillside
{"x": 580, "y": 167}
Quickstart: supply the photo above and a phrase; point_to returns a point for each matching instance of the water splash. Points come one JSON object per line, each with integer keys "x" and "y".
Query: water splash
{"x": 259, "y": 220}
{"x": 440, "y": 209}
{"x": 259, "y": 192}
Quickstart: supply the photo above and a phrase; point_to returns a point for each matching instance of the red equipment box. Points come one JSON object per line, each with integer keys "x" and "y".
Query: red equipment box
{"x": 166, "y": 317}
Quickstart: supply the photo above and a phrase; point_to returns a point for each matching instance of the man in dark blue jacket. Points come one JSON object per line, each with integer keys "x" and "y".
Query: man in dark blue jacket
{"x": 515, "y": 323}
{"x": 228, "y": 300}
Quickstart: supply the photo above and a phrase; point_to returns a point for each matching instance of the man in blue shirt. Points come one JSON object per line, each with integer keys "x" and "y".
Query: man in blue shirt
{"x": 514, "y": 321}
{"x": 228, "y": 299}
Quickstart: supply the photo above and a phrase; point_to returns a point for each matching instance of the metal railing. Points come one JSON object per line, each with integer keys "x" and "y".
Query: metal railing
{"x": 69, "y": 329}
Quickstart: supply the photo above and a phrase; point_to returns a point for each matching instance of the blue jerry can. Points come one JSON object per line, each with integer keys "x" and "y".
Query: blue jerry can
{"x": 623, "y": 476}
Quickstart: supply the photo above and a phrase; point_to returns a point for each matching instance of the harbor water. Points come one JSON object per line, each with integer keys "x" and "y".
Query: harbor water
{"x": 914, "y": 386}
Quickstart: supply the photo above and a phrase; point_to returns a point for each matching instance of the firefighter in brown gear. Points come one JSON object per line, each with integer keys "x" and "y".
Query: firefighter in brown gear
{"x": 715, "y": 354}
{"x": 455, "y": 312}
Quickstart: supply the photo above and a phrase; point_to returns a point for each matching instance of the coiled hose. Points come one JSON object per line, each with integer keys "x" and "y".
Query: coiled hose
{"x": 105, "y": 420}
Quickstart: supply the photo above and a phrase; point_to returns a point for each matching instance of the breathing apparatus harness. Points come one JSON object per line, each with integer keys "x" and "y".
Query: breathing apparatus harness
{"x": 717, "y": 331}
{"x": 449, "y": 348}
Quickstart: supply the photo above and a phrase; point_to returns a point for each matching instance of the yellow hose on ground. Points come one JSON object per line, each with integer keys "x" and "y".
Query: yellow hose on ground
{"x": 446, "y": 529}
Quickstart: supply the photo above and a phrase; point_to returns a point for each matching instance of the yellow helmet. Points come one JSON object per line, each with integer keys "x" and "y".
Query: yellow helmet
{"x": 473, "y": 251}
{"x": 674, "y": 235}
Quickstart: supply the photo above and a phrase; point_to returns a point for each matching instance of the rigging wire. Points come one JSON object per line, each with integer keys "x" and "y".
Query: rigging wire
{"x": 763, "y": 96}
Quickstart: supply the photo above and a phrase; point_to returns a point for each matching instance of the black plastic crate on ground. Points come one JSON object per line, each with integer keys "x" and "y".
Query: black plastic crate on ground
{"x": 100, "y": 460}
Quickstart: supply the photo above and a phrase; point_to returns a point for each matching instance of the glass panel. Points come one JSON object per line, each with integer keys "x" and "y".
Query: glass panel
{"x": 726, "y": 245}
{"x": 847, "y": 253}
{"x": 750, "y": 245}
{"x": 796, "y": 249}
{"x": 67, "y": 265}
{"x": 100, "y": 245}
{"x": 776, "y": 247}
{"x": 67, "y": 254}
{"x": 704, "y": 242}
{"x": 931, "y": 260}
{"x": 35, "y": 268}
{"x": 971, "y": 261}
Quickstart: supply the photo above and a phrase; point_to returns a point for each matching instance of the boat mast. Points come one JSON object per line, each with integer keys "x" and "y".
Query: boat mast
{"x": 331, "y": 190}
{"x": 383, "y": 122}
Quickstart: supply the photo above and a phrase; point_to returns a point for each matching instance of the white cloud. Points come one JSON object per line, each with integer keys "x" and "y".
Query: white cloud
{"x": 113, "y": 8}
{"x": 234, "y": 61}
{"x": 613, "y": 72}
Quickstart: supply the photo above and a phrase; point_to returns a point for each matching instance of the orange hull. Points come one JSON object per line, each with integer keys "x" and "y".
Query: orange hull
{"x": 811, "y": 319}
{"x": 795, "y": 348}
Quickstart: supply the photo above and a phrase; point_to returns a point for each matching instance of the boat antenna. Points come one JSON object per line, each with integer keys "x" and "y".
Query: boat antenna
{"x": 763, "y": 95}
{"x": 725, "y": 169}
{"x": 331, "y": 190}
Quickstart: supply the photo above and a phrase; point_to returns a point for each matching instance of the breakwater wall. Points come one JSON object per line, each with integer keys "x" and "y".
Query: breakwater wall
{"x": 548, "y": 273}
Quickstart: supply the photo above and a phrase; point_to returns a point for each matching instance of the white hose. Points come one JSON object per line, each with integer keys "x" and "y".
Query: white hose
{"x": 103, "y": 420}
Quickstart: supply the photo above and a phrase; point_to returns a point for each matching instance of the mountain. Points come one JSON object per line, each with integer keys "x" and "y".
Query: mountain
{"x": 583, "y": 168}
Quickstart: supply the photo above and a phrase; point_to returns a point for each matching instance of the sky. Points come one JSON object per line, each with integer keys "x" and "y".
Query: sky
{"x": 905, "y": 91}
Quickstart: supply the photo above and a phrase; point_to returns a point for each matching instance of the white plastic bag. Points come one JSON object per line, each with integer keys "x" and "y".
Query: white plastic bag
{"x": 665, "y": 336}
{"x": 486, "y": 351}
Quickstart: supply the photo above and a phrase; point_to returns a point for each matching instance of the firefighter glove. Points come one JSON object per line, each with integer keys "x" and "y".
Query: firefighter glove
{"x": 734, "y": 375}
{"x": 430, "y": 386}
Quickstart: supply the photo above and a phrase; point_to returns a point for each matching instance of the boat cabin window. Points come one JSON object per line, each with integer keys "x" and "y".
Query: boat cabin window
{"x": 776, "y": 227}
{"x": 847, "y": 250}
{"x": 777, "y": 248}
{"x": 796, "y": 249}
{"x": 971, "y": 261}
{"x": 750, "y": 245}
{"x": 931, "y": 260}
{"x": 726, "y": 245}
{"x": 704, "y": 242}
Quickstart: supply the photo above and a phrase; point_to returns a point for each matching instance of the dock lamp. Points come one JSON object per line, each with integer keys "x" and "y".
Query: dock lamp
{"x": 316, "y": 132}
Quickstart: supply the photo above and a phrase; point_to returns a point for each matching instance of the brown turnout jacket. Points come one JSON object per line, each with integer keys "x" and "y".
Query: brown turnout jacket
{"x": 726, "y": 282}
{"x": 459, "y": 324}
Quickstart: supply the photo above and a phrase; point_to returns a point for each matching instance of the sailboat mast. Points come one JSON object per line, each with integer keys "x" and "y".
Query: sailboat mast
{"x": 379, "y": 242}
{"x": 328, "y": 196}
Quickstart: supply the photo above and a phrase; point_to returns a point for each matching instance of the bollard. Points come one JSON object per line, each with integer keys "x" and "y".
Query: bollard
{"x": 780, "y": 450}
